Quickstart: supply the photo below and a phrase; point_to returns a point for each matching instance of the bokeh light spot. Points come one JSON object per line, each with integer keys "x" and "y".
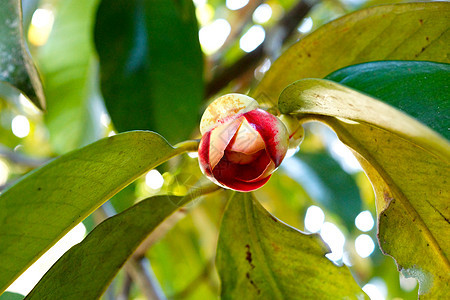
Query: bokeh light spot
{"x": 335, "y": 239}
{"x": 252, "y": 38}
{"x": 4, "y": 172}
{"x": 376, "y": 289}
{"x": 262, "y": 13}
{"x": 306, "y": 25}
{"x": 41, "y": 26}
{"x": 193, "y": 154}
{"x": 154, "y": 180}
{"x": 236, "y": 4}
{"x": 314, "y": 219}
{"x": 213, "y": 36}
{"x": 364, "y": 245}
{"x": 364, "y": 221}
{"x": 20, "y": 126}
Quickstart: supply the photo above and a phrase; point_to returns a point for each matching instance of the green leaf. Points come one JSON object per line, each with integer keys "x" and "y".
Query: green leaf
{"x": 411, "y": 31}
{"x": 96, "y": 260}
{"x": 408, "y": 165}
{"x": 68, "y": 67}
{"x": 151, "y": 65}
{"x": 401, "y": 84}
{"x": 259, "y": 257}
{"x": 16, "y": 66}
{"x": 45, "y": 204}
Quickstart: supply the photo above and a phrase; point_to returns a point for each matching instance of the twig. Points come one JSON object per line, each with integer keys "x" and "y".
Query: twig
{"x": 278, "y": 35}
{"x": 21, "y": 159}
{"x": 141, "y": 272}
{"x": 126, "y": 289}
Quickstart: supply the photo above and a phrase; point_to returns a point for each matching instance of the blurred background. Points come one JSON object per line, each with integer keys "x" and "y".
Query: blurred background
{"x": 319, "y": 189}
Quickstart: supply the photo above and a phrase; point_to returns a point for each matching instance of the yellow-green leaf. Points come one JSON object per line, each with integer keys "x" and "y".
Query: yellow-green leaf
{"x": 259, "y": 257}
{"x": 411, "y": 31}
{"x": 45, "y": 204}
{"x": 409, "y": 166}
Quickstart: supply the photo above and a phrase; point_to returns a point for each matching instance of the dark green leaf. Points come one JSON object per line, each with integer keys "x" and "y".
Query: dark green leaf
{"x": 16, "y": 66}
{"x": 45, "y": 204}
{"x": 419, "y": 88}
{"x": 259, "y": 257}
{"x": 151, "y": 65}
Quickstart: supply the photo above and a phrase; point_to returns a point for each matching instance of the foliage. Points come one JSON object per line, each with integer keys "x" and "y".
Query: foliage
{"x": 113, "y": 66}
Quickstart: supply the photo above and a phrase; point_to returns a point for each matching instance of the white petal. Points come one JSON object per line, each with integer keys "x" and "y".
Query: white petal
{"x": 220, "y": 138}
{"x": 225, "y": 108}
{"x": 248, "y": 140}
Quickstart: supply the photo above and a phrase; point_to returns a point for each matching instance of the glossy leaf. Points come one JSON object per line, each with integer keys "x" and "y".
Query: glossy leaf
{"x": 45, "y": 204}
{"x": 85, "y": 271}
{"x": 151, "y": 65}
{"x": 408, "y": 164}
{"x": 411, "y": 31}
{"x": 400, "y": 84}
{"x": 259, "y": 257}
{"x": 16, "y": 66}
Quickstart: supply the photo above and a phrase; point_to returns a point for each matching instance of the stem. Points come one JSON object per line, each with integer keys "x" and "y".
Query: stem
{"x": 187, "y": 146}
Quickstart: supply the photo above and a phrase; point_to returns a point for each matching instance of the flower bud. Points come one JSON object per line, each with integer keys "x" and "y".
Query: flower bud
{"x": 241, "y": 144}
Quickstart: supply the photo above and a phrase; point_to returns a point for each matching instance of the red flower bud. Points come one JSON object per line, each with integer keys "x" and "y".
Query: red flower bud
{"x": 241, "y": 145}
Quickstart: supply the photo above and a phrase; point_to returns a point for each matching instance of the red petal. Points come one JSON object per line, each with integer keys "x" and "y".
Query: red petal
{"x": 255, "y": 169}
{"x": 244, "y": 177}
{"x": 203, "y": 154}
{"x": 242, "y": 186}
{"x": 272, "y": 131}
